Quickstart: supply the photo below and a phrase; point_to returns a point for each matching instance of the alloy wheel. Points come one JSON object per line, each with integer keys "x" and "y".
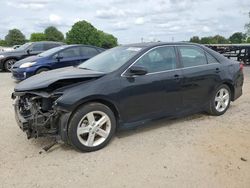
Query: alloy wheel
{"x": 94, "y": 128}
{"x": 222, "y": 100}
{"x": 9, "y": 64}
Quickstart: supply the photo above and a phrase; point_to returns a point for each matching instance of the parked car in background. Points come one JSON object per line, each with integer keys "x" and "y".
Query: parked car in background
{"x": 7, "y": 59}
{"x": 63, "y": 56}
{"x": 16, "y": 46}
{"x": 123, "y": 87}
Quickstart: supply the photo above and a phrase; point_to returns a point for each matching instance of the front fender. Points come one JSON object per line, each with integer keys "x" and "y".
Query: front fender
{"x": 92, "y": 91}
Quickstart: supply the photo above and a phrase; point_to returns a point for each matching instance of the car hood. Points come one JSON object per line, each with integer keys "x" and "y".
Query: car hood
{"x": 50, "y": 78}
{"x": 25, "y": 60}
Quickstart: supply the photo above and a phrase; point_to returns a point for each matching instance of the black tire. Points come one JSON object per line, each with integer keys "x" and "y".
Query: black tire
{"x": 8, "y": 64}
{"x": 212, "y": 104}
{"x": 77, "y": 118}
{"x": 41, "y": 70}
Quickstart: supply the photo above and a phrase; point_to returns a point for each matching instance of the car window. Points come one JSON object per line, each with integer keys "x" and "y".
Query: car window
{"x": 159, "y": 59}
{"x": 211, "y": 59}
{"x": 37, "y": 47}
{"x": 70, "y": 52}
{"x": 88, "y": 51}
{"x": 192, "y": 56}
{"x": 48, "y": 46}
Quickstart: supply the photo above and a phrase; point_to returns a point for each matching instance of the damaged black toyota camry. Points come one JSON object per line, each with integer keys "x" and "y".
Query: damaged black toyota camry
{"x": 125, "y": 87}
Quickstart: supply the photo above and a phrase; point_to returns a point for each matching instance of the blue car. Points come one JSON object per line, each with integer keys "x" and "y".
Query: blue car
{"x": 63, "y": 56}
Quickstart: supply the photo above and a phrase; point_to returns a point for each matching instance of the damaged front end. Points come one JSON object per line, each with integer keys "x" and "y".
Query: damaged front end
{"x": 36, "y": 114}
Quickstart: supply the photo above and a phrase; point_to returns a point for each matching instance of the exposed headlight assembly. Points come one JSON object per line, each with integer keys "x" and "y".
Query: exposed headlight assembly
{"x": 26, "y": 65}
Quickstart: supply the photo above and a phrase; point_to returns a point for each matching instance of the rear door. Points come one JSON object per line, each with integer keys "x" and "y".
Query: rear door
{"x": 156, "y": 93}
{"x": 199, "y": 77}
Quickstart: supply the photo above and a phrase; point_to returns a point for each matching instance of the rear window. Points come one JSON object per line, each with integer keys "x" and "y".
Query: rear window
{"x": 70, "y": 52}
{"x": 88, "y": 51}
{"x": 192, "y": 56}
{"x": 48, "y": 46}
{"x": 211, "y": 59}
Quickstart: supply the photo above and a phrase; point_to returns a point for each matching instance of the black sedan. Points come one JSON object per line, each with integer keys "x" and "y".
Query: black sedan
{"x": 124, "y": 87}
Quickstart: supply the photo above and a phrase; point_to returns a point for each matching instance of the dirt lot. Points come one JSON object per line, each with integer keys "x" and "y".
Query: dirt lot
{"x": 196, "y": 151}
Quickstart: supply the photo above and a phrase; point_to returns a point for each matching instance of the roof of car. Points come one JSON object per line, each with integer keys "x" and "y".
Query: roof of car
{"x": 84, "y": 45}
{"x": 47, "y": 42}
{"x": 154, "y": 44}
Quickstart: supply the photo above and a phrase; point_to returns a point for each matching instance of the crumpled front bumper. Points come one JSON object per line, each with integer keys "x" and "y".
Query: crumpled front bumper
{"x": 21, "y": 121}
{"x": 34, "y": 130}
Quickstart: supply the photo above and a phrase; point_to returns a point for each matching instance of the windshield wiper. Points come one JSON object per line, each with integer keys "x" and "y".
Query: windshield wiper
{"x": 84, "y": 68}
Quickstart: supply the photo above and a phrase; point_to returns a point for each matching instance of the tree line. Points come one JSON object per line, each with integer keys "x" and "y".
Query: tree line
{"x": 235, "y": 38}
{"x": 82, "y": 32}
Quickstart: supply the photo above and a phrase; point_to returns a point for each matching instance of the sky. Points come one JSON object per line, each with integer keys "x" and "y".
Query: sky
{"x": 129, "y": 20}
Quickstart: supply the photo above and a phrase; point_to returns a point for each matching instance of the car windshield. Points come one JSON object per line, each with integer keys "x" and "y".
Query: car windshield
{"x": 110, "y": 60}
{"x": 24, "y": 46}
{"x": 51, "y": 51}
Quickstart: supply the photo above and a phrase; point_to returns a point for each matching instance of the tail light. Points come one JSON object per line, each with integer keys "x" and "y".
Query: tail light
{"x": 241, "y": 66}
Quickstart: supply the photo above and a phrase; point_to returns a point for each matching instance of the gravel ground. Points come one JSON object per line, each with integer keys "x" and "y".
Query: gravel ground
{"x": 195, "y": 151}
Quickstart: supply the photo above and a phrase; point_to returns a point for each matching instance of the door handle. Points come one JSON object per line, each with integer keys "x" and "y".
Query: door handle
{"x": 217, "y": 70}
{"x": 177, "y": 77}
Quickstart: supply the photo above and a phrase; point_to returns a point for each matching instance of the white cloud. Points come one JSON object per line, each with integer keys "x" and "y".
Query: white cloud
{"x": 53, "y": 18}
{"x": 129, "y": 20}
{"x": 29, "y": 4}
{"x": 140, "y": 21}
{"x": 206, "y": 29}
{"x": 121, "y": 26}
{"x": 110, "y": 13}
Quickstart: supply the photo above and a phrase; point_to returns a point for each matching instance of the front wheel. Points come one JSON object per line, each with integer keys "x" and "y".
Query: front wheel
{"x": 91, "y": 127}
{"x": 8, "y": 64}
{"x": 41, "y": 70}
{"x": 220, "y": 101}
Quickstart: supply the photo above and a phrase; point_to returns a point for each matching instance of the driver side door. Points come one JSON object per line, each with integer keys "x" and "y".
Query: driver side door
{"x": 155, "y": 94}
{"x": 67, "y": 57}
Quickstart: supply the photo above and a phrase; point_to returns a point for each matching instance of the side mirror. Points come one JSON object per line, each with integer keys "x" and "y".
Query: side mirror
{"x": 58, "y": 57}
{"x": 138, "y": 70}
{"x": 28, "y": 51}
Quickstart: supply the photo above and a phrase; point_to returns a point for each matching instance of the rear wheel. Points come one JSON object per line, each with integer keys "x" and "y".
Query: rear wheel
{"x": 220, "y": 101}
{"x": 8, "y": 64}
{"x": 41, "y": 70}
{"x": 91, "y": 127}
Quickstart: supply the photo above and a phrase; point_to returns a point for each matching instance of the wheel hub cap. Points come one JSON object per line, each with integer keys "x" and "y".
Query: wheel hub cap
{"x": 222, "y": 99}
{"x": 94, "y": 128}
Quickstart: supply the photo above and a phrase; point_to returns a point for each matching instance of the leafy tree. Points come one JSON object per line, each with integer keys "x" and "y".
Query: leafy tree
{"x": 83, "y": 32}
{"x": 206, "y": 40}
{"x": 37, "y": 37}
{"x": 107, "y": 40}
{"x": 248, "y": 40}
{"x": 237, "y": 38}
{"x": 14, "y": 37}
{"x": 53, "y": 34}
{"x": 195, "y": 39}
{"x": 218, "y": 39}
{"x": 3, "y": 43}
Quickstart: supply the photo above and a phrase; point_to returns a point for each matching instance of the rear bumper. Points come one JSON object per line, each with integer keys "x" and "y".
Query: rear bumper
{"x": 238, "y": 86}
